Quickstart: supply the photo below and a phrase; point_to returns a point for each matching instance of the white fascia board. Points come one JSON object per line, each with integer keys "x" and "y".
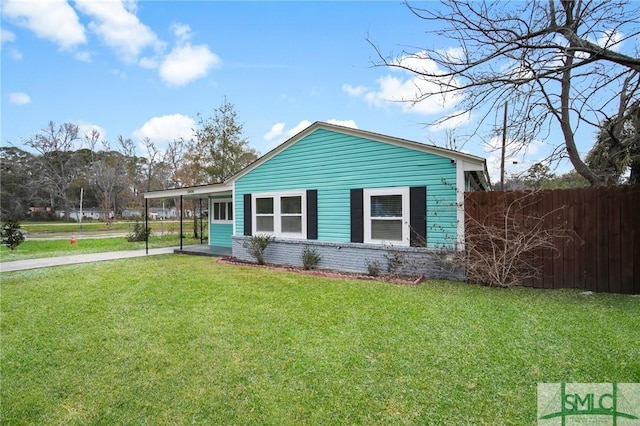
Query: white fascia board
{"x": 190, "y": 191}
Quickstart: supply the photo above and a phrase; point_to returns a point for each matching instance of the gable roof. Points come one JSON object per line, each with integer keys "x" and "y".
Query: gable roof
{"x": 472, "y": 163}
{"x": 470, "y": 160}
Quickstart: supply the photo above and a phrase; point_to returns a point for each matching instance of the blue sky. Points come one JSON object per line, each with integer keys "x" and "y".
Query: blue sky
{"x": 147, "y": 68}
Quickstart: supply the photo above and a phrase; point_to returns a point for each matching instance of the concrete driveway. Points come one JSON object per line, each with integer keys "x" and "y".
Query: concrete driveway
{"x": 20, "y": 265}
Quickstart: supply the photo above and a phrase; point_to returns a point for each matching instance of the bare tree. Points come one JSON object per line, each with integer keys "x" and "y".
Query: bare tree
{"x": 105, "y": 173}
{"x": 142, "y": 171}
{"x": 557, "y": 64}
{"x": 57, "y": 160}
{"x": 174, "y": 161}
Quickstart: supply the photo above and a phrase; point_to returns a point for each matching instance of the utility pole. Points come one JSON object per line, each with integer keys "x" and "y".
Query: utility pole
{"x": 80, "y": 216}
{"x": 504, "y": 144}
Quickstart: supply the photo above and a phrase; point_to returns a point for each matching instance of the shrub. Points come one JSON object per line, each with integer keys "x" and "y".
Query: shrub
{"x": 257, "y": 245}
{"x": 310, "y": 258}
{"x": 395, "y": 261}
{"x": 12, "y": 236}
{"x": 140, "y": 232}
{"x": 374, "y": 267}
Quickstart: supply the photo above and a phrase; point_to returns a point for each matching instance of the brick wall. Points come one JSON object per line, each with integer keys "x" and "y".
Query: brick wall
{"x": 353, "y": 257}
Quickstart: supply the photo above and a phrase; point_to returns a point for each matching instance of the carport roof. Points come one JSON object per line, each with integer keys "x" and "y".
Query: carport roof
{"x": 200, "y": 191}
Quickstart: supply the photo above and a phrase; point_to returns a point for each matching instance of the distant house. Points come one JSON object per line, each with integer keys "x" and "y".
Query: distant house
{"x": 90, "y": 213}
{"x": 131, "y": 213}
{"x": 162, "y": 213}
{"x": 348, "y": 193}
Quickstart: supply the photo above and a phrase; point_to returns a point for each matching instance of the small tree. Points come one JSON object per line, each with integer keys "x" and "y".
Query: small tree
{"x": 12, "y": 236}
{"x": 310, "y": 258}
{"x": 257, "y": 245}
{"x": 140, "y": 232}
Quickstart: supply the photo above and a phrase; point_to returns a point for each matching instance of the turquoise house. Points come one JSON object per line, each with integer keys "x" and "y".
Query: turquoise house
{"x": 350, "y": 194}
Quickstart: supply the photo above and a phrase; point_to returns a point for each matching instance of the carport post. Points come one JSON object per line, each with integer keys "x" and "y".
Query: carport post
{"x": 181, "y": 223}
{"x": 200, "y": 199}
{"x": 146, "y": 225}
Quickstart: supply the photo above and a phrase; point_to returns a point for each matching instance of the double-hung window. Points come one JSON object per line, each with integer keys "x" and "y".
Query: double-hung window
{"x": 386, "y": 216}
{"x": 264, "y": 216}
{"x": 222, "y": 211}
{"x": 280, "y": 214}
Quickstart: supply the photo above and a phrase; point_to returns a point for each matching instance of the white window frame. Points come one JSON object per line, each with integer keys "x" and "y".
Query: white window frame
{"x": 277, "y": 215}
{"x": 371, "y": 192}
{"x": 226, "y": 202}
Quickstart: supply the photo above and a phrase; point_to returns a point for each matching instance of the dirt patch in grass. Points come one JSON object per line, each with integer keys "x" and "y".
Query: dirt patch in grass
{"x": 326, "y": 273}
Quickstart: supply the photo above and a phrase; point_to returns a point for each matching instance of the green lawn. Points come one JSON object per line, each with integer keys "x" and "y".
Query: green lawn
{"x": 97, "y": 226}
{"x": 34, "y": 249}
{"x": 184, "y": 340}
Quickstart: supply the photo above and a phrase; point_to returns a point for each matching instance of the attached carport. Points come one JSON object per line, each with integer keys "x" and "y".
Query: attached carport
{"x": 200, "y": 193}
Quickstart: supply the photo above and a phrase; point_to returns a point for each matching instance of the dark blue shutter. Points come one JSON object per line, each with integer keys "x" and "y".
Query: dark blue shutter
{"x": 418, "y": 215}
{"x": 312, "y": 214}
{"x": 357, "y": 216}
{"x": 247, "y": 215}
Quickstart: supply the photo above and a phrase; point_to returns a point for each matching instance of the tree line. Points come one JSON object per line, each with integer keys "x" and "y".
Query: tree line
{"x": 59, "y": 163}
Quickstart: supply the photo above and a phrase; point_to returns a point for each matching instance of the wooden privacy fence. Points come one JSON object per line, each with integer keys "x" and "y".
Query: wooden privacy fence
{"x": 599, "y": 249}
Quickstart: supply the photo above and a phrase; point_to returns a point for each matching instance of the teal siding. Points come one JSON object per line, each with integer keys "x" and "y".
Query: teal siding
{"x": 220, "y": 234}
{"x": 333, "y": 163}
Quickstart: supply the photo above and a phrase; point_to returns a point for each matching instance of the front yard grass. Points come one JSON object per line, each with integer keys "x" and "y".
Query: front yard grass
{"x": 184, "y": 340}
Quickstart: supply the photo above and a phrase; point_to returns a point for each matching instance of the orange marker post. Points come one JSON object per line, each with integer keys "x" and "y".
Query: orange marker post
{"x": 73, "y": 238}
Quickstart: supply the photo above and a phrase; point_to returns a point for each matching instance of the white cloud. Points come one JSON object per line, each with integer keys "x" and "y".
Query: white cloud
{"x": 515, "y": 162}
{"x": 118, "y": 26}
{"x": 187, "y": 63}
{"x": 6, "y": 36}
{"x": 405, "y": 88}
{"x": 343, "y": 123}
{"x": 19, "y": 98}
{"x": 298, "y": 128}
{"x": 15, "y": 54}
{"x": 278, "y": 134}
{"x": 119, "y": 73}
{"x": 148, "y": 63}
{"x": 182, "y": 32}
{"x": 53, "y": 20}
{"x": 420, "y": 61}
{"x": 83, "y": 56}
{"x": 354, "y": 91}
{"x": 611, "y": 39}
{"x": 457, "y": 119}
{"x": 276, "y": 131}
{"x": 85, "y": 129}
{"x": 166, "y": 128}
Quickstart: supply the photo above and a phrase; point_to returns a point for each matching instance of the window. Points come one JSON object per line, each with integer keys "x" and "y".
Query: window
{"x": 222, "y": 212}
{"x": 280, "y": 214}
{"x": 264, "y": 215}
{"x": 386, "y": 216}
{"x": 291, "y": 214}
